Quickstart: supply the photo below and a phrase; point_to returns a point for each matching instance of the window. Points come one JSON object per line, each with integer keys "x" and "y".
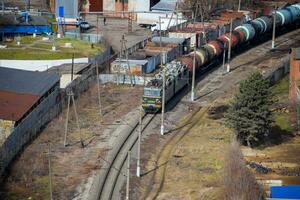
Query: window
{"x": 152, "y": 92}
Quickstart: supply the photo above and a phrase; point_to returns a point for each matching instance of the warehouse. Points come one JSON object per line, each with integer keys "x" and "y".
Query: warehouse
{"x": 28, "y": 101}
{"x": 22, "y": 91}
{"x": 24, "y": 24}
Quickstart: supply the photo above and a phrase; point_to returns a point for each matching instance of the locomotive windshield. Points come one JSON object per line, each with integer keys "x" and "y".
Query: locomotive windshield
{"x": 152, "y": 92}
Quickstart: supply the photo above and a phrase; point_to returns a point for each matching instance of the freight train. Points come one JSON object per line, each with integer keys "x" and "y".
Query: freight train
{"x": 152, "y": 98}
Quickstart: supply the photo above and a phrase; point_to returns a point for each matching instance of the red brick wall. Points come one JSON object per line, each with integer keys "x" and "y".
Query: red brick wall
{"x": 96, "y": 5}
{"x": 294, "y": 76}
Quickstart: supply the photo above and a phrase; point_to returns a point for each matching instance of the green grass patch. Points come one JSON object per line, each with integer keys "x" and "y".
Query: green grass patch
{"x": 282, "y": 87}
{"x": 283, "y": 121}
{"x": 80, "y": 49}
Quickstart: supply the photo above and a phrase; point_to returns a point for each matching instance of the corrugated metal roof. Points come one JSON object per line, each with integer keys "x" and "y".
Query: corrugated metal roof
{"x": 26, "y": 82}
{"x": 165, "y": 5}
{"x": 9, "y": 19}
{"x": 168, "y": 40}
{"x": 13, "y": 106}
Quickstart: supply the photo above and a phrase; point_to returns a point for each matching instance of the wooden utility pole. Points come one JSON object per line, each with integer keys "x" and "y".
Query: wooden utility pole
{"x": 124, "y": 55}
{"x": 71, "y": 98}
{"x": 50, "y": 171}
{"x": 98, "y": 88}
{"x": 130, "y": 19}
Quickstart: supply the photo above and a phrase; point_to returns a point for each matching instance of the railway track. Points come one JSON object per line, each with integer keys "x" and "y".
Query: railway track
{"x": 113, "y": 170}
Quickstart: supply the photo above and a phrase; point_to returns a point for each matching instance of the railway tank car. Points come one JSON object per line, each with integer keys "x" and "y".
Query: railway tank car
{"x": 241, "y": 34}
{"x": 209, "y": 52}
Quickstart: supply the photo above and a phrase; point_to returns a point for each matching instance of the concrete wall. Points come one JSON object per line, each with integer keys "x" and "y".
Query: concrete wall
{"x": 108, "y": 5}
{"x": 29, "y": 128}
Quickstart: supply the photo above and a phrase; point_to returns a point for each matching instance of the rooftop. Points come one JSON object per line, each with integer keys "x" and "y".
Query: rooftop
{"x": 26, "y": 82}
{"x": 20, "y": 90}
{"x": 11, "y": 19}
{"x": 165, "y": 5}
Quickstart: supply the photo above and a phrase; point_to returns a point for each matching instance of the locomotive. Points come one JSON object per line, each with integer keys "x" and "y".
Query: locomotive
{"x": 289, "y": 15}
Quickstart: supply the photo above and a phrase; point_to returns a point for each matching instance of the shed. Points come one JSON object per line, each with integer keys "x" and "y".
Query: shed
{"x": 137, "y": 67}
{"x": 26, "y": 24}
{"x": 20, "y": 90}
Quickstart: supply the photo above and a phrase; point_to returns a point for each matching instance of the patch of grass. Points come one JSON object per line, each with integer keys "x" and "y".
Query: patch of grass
{"x": 283, "y": 121}
{"x": 281, "y": 88}
{"x": 80, "y": 49}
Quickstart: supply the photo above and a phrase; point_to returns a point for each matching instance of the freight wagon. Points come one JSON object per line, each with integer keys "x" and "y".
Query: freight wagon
{"x": 253, "y": 29}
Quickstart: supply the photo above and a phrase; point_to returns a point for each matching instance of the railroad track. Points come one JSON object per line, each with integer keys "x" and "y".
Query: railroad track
{"x": 113, "y": 170}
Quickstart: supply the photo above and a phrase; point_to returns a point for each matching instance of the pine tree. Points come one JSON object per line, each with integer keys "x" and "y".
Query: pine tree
{"x": 249, "y": 113}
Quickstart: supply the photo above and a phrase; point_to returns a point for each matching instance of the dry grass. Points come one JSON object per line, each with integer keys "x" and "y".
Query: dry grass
{"x": 239, "y": 182}
{"x": 194, "y": 170}
{"x": 71, "y": 166}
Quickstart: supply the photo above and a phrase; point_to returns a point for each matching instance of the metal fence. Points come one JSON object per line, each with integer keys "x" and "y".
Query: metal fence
{"x": 29, "y": 128}
{"x": 93, "y": 38}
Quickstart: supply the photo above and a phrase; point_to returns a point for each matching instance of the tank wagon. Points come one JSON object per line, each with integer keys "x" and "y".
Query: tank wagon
{"x": 213, "y": 49}
{"x": 240, "y": 35}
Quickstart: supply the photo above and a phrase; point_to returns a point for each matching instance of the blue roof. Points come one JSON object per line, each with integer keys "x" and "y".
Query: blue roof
{"x": 165, "y": 5}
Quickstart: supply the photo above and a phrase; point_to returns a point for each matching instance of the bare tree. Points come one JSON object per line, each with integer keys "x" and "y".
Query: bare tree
{"x": 239, "y": 182}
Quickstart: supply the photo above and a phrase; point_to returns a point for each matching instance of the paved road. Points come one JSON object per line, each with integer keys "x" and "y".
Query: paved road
{"x": 115, "y": 28}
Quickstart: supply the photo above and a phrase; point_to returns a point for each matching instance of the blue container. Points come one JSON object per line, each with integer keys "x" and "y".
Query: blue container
{"x": 285, "y": 192}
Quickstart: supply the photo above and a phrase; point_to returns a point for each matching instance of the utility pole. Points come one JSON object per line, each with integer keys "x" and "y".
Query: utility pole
{"x": 229, "y": 48}
{"x": 122, "y": 56}
{"x": 128, "y": 176}
{"x": 274, "y": 29}
{"x": 162, "y": 128}
{"x": 50, "y": 170}
{"x": 138, "y": 167}
{"x": 130, "y": 18}
{"x": 224, "y": 61}
{"x": 97, "y": 28}
{"x": 71, "y": 97}
{"x": 98, "y": 87}
{"x": 2, "y": 7}
{"x": 72, "y": 68}
{"x": 194, "y": 65}
{"x": 239, "y": 8}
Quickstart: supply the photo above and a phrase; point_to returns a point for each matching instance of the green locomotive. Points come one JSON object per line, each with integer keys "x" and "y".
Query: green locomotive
{"x": 176, "y": 77}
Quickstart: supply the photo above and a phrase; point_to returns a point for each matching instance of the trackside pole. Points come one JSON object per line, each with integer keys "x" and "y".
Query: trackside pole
{"x": 230, "y": 43}
{"x": 128, "y": 176}
{"x": 138, "y": 167}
